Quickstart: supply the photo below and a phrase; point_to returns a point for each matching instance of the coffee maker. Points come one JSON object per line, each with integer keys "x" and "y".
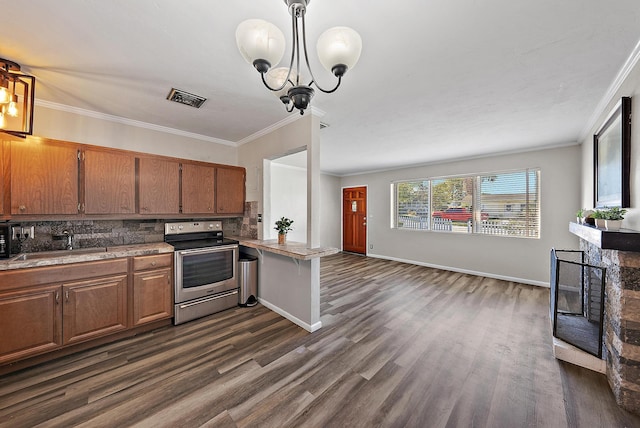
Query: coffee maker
{"x": 5, "y": 241}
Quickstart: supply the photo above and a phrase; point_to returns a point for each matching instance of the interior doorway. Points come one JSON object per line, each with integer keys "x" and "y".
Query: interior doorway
{"x": 354, "y": 219}
{"x": 287, "y": 190}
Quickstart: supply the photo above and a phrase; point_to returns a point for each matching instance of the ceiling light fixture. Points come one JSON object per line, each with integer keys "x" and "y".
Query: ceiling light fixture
{"x": 262, "y": 44}
{"x": 17, "y": 94}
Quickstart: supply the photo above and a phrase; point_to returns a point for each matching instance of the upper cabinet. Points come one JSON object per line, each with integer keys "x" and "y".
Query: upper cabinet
{"x": 109, "y": 182}
{"x": 198, "y": 191}
{"x": 44, "y": 178}
{"x": 5, "y": 179}
{"x": 55, "y": 178}
{"x": 230, "y": 190}
{"x": 159, "y": 186}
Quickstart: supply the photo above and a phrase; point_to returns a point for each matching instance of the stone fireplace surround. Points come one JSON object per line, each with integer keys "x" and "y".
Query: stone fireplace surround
{"x": 619, "y": 252}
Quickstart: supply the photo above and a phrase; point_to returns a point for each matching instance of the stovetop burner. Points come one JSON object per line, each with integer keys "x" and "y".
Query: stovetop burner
{"x": 201, "y": 243}
{"x": 190, "y": 235}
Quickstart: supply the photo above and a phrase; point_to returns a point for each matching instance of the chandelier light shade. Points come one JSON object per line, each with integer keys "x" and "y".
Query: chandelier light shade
{"x": 260, "y": 40}
{"x": 281, "y": 78}
{"x": 262, "y": 45}
{"x": 17, "y": 95}
{"x": 339, "y": 46}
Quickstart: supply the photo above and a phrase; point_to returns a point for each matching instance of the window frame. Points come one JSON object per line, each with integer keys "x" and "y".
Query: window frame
{"x": 474, "y": 228}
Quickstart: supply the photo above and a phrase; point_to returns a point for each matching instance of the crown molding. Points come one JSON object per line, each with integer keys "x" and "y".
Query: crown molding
{"x": 131, "y": 122}
{"x": 287, "y": 120}
{"x": 630, "y": 63}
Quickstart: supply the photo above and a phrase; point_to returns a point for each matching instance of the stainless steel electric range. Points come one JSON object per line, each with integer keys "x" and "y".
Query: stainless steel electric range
{"x": 205, "y": 269}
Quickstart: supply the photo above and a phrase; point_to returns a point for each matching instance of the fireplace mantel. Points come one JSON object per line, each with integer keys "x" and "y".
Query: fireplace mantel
{"x": 622, "y": 240}
{"x": 619, "y": 253}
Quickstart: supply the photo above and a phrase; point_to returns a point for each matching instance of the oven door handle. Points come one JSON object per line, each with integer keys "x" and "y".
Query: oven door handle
{"x": 207, "y": 250}
{"x": 207, "y": 299}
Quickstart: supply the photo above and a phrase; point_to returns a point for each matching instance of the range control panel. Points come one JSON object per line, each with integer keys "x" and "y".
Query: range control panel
{"x": 192, "y": 227}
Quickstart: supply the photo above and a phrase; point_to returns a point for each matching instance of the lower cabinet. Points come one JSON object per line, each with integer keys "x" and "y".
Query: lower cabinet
{"x": 152, "y": 288}
{"x": 94, "y": 308}
{"x": 30, "y": 322}
{"x": 45, "y": 309}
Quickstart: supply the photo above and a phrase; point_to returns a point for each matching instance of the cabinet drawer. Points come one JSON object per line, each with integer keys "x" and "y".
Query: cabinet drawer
{"x": 152, "y": 262}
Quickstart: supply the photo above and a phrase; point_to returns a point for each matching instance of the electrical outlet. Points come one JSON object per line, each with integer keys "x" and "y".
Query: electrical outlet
{"x": 22, "y": 233}
{"x": 371, "y": 246}
{"x": 28, "y": 232}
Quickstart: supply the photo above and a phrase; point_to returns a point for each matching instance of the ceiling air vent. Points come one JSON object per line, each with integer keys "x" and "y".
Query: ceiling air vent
{"x": 323, "y": 125}
{"x": 186, "y": 98}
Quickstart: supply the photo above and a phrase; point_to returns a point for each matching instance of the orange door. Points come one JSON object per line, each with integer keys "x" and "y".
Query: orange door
{"x": 354, "y": 219}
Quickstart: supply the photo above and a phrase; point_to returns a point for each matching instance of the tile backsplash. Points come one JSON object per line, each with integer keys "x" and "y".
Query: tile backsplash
{"x": 49, "y": 235}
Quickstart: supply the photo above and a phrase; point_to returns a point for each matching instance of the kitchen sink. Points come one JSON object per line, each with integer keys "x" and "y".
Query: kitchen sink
{"x": 56, "y": 254}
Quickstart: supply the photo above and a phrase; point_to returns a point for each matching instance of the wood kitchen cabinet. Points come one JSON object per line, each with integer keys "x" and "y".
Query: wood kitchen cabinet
{"x": 30, "y": 322}
{"x": 46, "y": 308}
{"x": 52, "y": 179}
{"x": 44, "y": 177}
{"x": 198, "y": 188}
{"x": 230, "y": 190}
{"x": 3, "y": 194}
{"x": 94, "y": 308}
{"x": 158, "y": 186}
{"x": 109, "y": 182}
{"x": 152, "y": 288}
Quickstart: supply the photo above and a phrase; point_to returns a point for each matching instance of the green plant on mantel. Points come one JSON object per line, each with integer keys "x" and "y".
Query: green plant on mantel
{"x": 613, "y": 213}
{"x": 597, "y": 214}
{"x": 283, "y": 225}
{"x": 580, "y": 213}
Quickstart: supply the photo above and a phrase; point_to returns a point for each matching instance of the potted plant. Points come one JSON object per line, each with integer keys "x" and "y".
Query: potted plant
{"x": 580, "y": 216}
{"x": 283, "y": 226}
{"x": 598, "y": 216}
{"x": 613, "y": 218}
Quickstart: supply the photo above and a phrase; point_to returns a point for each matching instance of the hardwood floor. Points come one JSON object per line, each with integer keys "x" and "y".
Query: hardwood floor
{"x": 401, "y": 345}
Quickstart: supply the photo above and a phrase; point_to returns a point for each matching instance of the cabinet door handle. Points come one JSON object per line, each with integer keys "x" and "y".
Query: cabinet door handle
{"x": 66, "y": 296}
{"x": 57, "y": 297}
{"x": 154, "y": 263}
{"x": 22, "y": 207}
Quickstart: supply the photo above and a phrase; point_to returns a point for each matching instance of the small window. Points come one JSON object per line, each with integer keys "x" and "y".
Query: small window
{"x": 412, "y": 205}
{"x": 452, "y": 201}
{"x": 500, "y": 194}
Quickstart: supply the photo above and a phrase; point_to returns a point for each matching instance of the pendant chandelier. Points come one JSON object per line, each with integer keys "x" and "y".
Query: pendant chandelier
{"x": 16, "y": 99}
{"x": 262, "y": 45}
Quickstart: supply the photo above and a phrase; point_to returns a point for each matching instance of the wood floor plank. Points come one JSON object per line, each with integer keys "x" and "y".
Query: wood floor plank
{"x": 401, "y": 346}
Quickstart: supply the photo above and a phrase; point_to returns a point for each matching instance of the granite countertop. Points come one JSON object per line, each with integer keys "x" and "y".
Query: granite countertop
{"x": 296, "y": 250}
{"x": 52, "y": 258}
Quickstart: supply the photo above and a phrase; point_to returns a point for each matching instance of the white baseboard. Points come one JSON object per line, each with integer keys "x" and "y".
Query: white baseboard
{"x": 309, "y": 327}
{"x": 465, "y": 271}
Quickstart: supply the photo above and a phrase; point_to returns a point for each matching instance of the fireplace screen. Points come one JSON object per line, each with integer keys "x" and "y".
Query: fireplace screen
{"x": 577, "y": 300}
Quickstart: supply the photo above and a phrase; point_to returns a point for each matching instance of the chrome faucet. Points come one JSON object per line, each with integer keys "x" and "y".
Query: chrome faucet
{"x": 69, "y": 237}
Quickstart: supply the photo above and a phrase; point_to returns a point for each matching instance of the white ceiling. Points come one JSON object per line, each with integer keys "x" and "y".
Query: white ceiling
{"x": 437, "y": 79}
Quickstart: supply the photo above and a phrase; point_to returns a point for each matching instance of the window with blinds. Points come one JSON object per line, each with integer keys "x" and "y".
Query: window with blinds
{"x": 412, "y": 205}
{"x": 501, "y": 204}
{"x": 510, "y": 203}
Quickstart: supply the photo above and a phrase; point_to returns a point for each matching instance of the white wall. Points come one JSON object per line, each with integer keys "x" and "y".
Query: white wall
{"x": 290, "y": 138}
{"x": 629, "y": 87}
{"x": 67, "y": 126}
{"x": 330, "y": 211}
{"x": 519, "y": 259}
{"x": 289, "y": 199}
